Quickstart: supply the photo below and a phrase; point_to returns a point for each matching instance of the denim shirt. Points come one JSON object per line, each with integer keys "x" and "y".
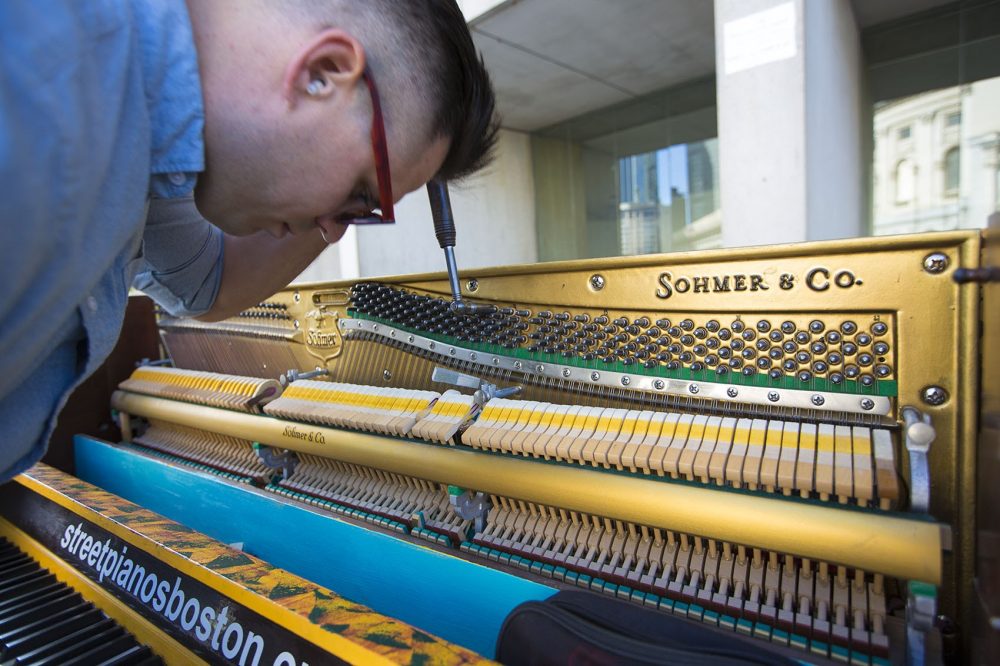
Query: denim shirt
{"x": 100, "y": 112}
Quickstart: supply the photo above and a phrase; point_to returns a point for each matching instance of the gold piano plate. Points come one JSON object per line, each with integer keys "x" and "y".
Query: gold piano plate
{"x": 830, "y": 337}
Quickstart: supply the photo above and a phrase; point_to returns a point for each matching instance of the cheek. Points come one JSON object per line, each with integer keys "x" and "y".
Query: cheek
{"x": 318, "y": 177}
{"x": 331, "y": 191}
{"x": 315, "y": 194}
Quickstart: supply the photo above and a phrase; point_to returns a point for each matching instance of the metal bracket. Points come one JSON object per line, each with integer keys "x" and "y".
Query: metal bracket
{"x": 921, "y": 609}
{"x": 484, "y": 391}
{"x": 148, "y": 362}
{"x": 294, "y": 375}
{"x": 919, "y": 434}
{"x": 983, "y": 275}
{"x": 271, "y": 458}
{"x": 124, "y": 422}
{"x": 470, "y": 505}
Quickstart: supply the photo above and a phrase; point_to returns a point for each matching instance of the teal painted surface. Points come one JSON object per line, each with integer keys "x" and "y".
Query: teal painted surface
{"x": 457, "y": 600}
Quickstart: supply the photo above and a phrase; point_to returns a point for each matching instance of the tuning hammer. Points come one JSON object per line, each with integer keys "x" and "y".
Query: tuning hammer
{"x": 444, "y": 230}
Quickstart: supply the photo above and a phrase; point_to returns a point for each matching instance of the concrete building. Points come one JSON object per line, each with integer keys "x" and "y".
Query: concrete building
{"x": 635, "y": 126}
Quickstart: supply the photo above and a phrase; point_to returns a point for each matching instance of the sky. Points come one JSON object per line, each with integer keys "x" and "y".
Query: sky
{"x": 671, "y": 171}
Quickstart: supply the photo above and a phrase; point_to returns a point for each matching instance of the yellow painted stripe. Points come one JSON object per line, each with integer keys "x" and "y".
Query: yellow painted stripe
{"x": 842, "y": 441}
{"x": 536, "y": 416}
{"x": 641, "y": 427}
{"x": 512, "y": 416}
{"x": 790, "y": 437}
{"x": 604, "y": 424}
{"x": 489, "y": 413}
{"x": 726, "y": 433}
{"x": 546, "y": 420}
{"x": 668, "y": 429}
{"x": 862, "y": 443}
{"x": 773, "y": 437}
{"x": 589, "y": 422}
{"x": 824, "y": 441}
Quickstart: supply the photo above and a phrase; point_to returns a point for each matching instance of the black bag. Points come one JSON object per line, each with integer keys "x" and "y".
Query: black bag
{"x": 588, "y": 629}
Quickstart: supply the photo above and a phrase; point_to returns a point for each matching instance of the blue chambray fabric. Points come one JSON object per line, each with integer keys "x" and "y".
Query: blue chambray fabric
{"x": 100, "y": 111}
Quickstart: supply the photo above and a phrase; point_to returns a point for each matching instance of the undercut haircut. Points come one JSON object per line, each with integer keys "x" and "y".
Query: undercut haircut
{"x": 421, "y": 53}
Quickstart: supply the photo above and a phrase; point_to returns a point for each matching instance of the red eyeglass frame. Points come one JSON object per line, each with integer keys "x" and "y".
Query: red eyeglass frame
{"x": 386, "y": 216}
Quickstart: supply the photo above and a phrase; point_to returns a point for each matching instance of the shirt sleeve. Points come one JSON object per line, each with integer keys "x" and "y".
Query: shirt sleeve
{"x": 182, "y": 258}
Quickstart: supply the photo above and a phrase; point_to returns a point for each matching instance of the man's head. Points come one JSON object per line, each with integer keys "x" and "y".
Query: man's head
{"x": 288, "y": 116}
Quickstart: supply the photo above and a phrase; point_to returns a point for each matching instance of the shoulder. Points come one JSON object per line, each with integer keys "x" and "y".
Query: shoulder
{"x": 52, "y": 33}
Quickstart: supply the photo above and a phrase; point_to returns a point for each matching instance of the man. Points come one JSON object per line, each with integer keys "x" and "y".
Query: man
{"x": 284, "y": 119}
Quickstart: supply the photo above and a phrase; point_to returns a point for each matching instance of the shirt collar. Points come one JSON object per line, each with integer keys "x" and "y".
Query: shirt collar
{"x": 172, "y": 86}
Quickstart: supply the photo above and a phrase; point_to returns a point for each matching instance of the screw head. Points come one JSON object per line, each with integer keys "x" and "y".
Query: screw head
{"x": 472, "y": 285}
{"x": 626, "y": 381}
{"x": 409, "y": 338}
{"x": 936, "y": 262}
{"x": 473, "y": 356}
{"x": 496, "y": 361}
{"x": 539, "y": 368}
{"x": 594, "y": 376}
{"x": 566, "y": 372}
{"x": 452, "y": 351}
{"x": 658, "y": 384}
{"x": 432, "y": 345}
{"x": 296, "y": 323}
{"x": 517, "y": 365}
{"x": 773, "y": 396}
{"x": 296, "y": 297}
{"x": 934, "y": 396}
{"x": 693, "y": 389}
{"x": 732, "y": 392}
{"x": 597, "y": 282}
{"x": 386, "y": 375}
{"x": 867, "y": 404}
{"x": 817, "y": 400}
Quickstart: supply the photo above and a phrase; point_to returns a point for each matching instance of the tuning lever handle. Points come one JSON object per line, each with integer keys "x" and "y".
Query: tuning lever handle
{"x": 444, "y": 222}
{"x": 980, "y": 275}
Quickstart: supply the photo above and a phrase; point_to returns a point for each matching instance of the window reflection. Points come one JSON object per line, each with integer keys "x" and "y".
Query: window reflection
{"x": 943, "y": 174}
{"x": 638, "y": 177}
{"x": 669, "y": 199}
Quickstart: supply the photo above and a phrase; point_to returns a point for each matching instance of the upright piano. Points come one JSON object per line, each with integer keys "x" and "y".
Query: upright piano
{"x": 796, "y": 445}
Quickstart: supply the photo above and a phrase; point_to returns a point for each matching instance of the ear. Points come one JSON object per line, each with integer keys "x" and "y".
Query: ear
{"x": 333, "y": 59}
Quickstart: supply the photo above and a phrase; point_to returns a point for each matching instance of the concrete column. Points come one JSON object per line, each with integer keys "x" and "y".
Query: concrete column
{"x": 560, "y": 198}
{"x": 791, "y": 121}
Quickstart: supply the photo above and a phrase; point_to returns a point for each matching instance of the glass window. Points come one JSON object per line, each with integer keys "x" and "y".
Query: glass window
{"x": 936, "y": 73}
{"x": 951, "y": 172}
{"x": 636, "y": 178}
{"x": 904, "y": 182}
{"x": 946, "y": 177}
{"x": 669, "y": 199}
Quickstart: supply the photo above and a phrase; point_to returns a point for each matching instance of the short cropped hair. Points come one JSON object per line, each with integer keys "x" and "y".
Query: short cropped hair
{"x": 422, "y": 50}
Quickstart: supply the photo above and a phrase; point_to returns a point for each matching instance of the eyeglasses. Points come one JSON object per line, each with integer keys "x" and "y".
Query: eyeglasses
{"x": 384, "y": 214}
